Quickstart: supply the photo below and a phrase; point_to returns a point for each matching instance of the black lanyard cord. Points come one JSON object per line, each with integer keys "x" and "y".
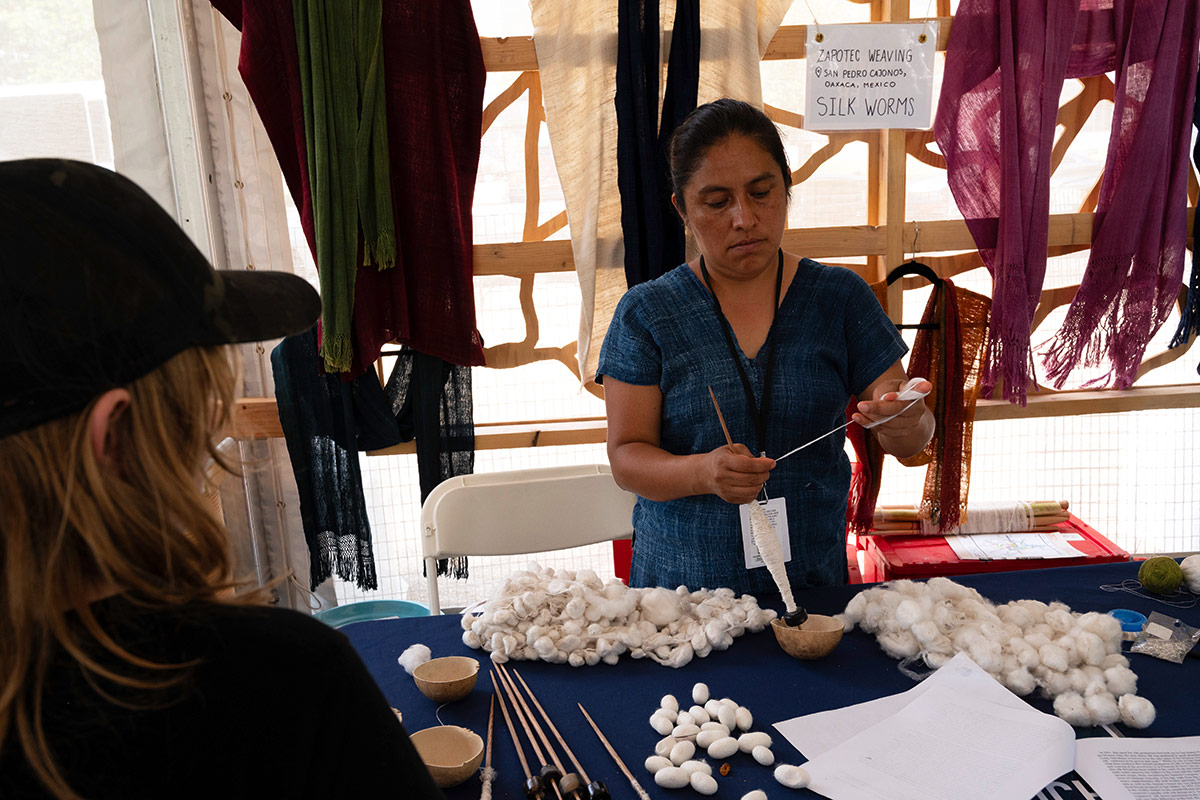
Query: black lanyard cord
{"x": 761, "y": 414}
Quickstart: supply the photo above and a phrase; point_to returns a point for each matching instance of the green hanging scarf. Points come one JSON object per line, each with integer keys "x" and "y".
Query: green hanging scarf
{"x": 345, "y": 135}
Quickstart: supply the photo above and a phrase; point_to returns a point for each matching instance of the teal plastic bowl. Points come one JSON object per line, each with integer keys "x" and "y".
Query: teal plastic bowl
{"x": 366, "y": 610}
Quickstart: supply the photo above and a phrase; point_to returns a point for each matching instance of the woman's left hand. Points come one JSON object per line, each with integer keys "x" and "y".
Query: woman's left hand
{"x": 910, "y": 430}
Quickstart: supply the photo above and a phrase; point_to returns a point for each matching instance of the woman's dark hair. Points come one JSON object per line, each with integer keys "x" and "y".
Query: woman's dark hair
{"x": 712, "y": 123}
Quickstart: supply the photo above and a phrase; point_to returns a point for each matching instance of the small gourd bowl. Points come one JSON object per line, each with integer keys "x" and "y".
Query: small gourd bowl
{"x": 446, "y": 679}
{"x": 816, "y": 638}
{"x": 451, "y": 753}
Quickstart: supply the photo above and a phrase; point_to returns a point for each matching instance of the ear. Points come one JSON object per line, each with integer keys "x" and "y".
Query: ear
{"x": 106, "y": 410}
{"x": 678, "y": 210}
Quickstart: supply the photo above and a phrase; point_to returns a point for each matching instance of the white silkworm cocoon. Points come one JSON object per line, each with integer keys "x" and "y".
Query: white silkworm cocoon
{"x": 591, "y": 657}
{"x": 572, "y": 627}
{"x": 926, "y": 631}
{"x": 669, "y": 702}
{"x": 792, "y": 776}
{"x": 727, "y": 715}
{"x": 1091, "y": 648}
{"x": 697, "y": 766}
{"x": 729, "y": 701}
{"x": 681, "y": 752}
{"x": 1020, "y": 682}
{"x": 1191, "y": 572}
{"x": 498, "y": 656}
{"x": 655, "y": 763}
{"x": 1060, "y": 619}
{"x": 686, "y": 718}
{"x": 575, "y": 659}
{"x": 685, "y": 731}
{"x": 1102, "y": 708}
{"x": 1053, "y": 657}
{"x": 1136, "y": 712}
{"x": 757, "y": 794}
{"x": 937, "y": 660}
{"x": 699, "y": 715}
{"x": 748, "y": 741}
{"x": 855, "y": 609}
{"x": 723, "y": 748}
{"x": 1114, "y": 660}
{"x": 899, "y": 644}
{"x": 663, "y": 652}
{"x": 1078, "y": 679}
{"x": 466, "y": 620}
{"x": 1037, "y": 640}
{"x": 1067, "y": 643}
{"x": 544, "y": 646}
{"x": 663, "y": 748}
{"x": 576, "y": 608}
{"x": 1121, "y": 680}
{"x": 713, "y": 706}
{"x": 413, "y": 657}
{"x": 744, "y": 718}
{"x": 705, "y": 739}
{"x": 703, "y": 783}
{"x": 700, "y": 693}
{"x": 1070, "y": 706}
{"x": 908, "y": 613}
{"x": 669, "y": 714}
{"x": 680, "y": 656}
{"x": 672, "y": 778}
{"x": 661, "y": 606}
{"x": 713, "y": 725}
{"x": 763, "y": 755}
{"x": 1053, "y": 683}
{"x": 471, "y": 639}
{"x": 662, "y": 726}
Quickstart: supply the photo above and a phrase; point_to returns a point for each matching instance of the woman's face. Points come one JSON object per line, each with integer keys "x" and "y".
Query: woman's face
{"x": 736, "y": 207}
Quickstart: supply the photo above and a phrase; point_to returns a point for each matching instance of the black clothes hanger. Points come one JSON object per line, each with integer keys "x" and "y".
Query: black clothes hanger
{"x": 914, "y": 267}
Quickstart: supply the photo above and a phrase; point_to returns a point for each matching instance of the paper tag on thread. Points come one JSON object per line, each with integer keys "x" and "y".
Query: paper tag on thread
{"x": 776, "y": 511}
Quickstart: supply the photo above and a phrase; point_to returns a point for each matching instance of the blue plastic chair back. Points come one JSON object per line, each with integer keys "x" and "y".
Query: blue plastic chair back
{"x": 365, "y": 610}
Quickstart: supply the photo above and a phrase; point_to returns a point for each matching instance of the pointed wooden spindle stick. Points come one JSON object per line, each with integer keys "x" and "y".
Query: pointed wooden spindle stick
{"x": 578, "y": 767}
{"x": 537, "y": 750}
{"x": 512, "y": 731}
{"x": 721, "y": 418}
{"x": 637, "y": 787}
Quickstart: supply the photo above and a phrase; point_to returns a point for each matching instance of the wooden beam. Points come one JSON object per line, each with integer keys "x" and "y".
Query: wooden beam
{"x": 518, "y": 54}
{"x": 256, "y": 417}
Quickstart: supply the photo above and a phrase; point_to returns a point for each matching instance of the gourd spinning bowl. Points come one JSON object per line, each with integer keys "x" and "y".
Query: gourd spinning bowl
{"x": 816, "y": 638}
{"x": 452, "y": 754}
{"x": 446, "y": 679}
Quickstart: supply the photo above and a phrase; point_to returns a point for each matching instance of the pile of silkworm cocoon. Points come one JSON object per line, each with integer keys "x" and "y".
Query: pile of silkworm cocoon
{"x": 1073, "y": 659}
{"x": 568, "y": 617}
{"x": 717, "y": 727}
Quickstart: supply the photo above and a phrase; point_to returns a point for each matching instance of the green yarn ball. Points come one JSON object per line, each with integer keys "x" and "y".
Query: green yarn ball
{"x": 1160, "y": 575}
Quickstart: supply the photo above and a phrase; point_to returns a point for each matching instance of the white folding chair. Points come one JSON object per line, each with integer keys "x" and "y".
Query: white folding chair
{"x": 521, "y": 511}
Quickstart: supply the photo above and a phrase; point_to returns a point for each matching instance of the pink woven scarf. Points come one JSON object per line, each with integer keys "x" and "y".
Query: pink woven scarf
{"x": 1005, "y": 65}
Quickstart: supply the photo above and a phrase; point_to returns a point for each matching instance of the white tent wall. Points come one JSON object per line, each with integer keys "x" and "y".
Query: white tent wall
{"x": 185, "y": 130}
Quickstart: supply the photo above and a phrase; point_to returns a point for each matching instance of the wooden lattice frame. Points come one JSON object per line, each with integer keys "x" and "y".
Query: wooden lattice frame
{"x": 884, "y": 240}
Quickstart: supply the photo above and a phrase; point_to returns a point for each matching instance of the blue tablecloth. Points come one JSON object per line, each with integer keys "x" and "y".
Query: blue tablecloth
{"x": 754, "y": 671}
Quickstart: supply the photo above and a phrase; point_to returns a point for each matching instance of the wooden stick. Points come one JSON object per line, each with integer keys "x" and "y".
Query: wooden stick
{"x": 554, "y": 730}
{"x": 513, "y": 692}
{"x": 728, "y": 439}
{"x": 511, "y": 730}
{"x": 637, "y": 787}
{"x": 537, "y": 750}
{"x": 485, "y": 793}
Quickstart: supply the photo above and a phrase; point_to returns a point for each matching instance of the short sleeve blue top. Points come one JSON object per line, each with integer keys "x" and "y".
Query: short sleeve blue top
{"x": 832, "y": 340}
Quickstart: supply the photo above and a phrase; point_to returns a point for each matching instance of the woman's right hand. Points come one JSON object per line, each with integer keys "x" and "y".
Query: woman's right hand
{"x": 734, "y": 474}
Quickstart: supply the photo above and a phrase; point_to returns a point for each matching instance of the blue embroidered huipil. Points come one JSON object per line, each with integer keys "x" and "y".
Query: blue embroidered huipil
{"x": 832, "y": 340}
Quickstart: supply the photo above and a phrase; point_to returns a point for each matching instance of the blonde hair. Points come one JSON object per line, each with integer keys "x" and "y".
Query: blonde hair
{"x": 73, "y": 527}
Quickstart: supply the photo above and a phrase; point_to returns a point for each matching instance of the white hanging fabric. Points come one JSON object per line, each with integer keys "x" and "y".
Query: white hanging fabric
{"x": 576, "y": 47}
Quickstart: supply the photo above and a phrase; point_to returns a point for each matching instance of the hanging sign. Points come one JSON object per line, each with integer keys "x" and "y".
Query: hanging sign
{"x": 865, "y": 77}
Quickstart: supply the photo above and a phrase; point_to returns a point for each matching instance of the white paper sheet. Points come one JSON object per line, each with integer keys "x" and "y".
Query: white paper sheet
{"x": 1141, "y": 769}
{"x": 1010, "y": 546}
{"x": 814, "y": 734}
{"x": 945, "y": 745}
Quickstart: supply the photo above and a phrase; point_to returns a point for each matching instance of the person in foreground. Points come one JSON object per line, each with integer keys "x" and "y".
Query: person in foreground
{"x": 129, "y": 668}
{"x": 783, "y": 342}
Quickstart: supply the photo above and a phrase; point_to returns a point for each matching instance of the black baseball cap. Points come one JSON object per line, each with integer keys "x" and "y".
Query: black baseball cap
{"x": 99, "y": 286}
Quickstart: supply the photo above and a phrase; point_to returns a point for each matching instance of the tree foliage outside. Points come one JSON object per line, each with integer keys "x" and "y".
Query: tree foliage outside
{"x": 47, "y": 41}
